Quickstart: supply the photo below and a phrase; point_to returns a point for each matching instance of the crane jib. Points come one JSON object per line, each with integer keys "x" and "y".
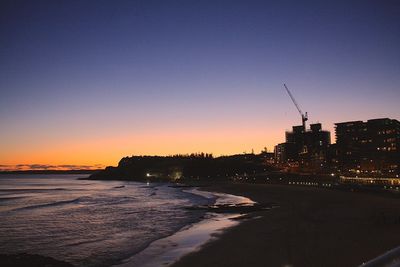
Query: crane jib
{"x": 304, "y": 116}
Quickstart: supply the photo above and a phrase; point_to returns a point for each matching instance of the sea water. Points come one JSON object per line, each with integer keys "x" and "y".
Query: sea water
{"x": 89, "y": 223}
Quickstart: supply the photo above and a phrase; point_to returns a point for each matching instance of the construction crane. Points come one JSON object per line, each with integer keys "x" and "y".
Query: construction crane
{"x": 304, "y": 116}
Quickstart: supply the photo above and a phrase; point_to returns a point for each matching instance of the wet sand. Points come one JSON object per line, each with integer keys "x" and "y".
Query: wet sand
{"x": 165, "y": 251}
{"x": 312, "y": 227}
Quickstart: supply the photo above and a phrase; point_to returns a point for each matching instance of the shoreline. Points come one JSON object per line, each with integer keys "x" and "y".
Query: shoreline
{"x": 312, "y": 227}
{"x": 200, "y": 222}
{"x": 190, "y": 238}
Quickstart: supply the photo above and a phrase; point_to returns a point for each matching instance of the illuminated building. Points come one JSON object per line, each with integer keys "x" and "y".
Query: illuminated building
{"x": 368, "y": 148}
{"x": 305, "y": 149}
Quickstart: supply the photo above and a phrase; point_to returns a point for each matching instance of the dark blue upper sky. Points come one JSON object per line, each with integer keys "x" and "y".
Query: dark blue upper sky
{"x": 193, "y": 65}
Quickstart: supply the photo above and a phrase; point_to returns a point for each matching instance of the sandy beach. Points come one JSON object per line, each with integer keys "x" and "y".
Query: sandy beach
{"x": 312, "y": 227}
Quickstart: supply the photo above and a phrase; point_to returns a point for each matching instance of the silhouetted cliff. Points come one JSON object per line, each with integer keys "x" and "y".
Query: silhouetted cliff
{"x": 183, "y": 167}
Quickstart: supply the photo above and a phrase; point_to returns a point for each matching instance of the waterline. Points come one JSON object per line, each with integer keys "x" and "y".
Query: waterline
{"x": 191, "y": 238}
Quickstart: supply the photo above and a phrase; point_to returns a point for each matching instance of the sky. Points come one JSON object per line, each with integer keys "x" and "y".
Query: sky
{"x": 85, "y": 83}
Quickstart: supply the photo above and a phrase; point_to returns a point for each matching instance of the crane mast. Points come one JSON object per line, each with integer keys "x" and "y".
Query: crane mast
{"x": 304, "y": 116}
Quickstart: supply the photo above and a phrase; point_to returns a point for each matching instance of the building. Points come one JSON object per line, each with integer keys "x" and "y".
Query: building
{"x": 304, "y": 149}
{"x": 369, "y": 148}
{"x": 285, "y": 153}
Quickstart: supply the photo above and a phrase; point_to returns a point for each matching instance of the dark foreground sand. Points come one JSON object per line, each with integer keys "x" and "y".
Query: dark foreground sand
{"x": 312, "y": 227}
{"x": 29, "y": 260}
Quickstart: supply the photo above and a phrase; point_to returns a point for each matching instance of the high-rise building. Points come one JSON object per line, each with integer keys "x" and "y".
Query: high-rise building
{"x": 306, "y": 149}
{"x": 369, "y": 148}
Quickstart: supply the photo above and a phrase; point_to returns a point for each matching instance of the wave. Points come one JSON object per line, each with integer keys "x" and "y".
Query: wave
{"x": 57, "y": 203}
{"x": 107, "y": 201}
{"x": 9, "y": 198}
{"x": 33, "y": 189}
{"x": 77, "y": 243}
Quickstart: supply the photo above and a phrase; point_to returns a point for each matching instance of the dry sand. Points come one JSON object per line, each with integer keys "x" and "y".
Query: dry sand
{"x": 312, "y": 227}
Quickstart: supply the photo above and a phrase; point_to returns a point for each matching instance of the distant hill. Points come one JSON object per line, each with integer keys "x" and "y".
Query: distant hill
{"x": 183, "y": 167}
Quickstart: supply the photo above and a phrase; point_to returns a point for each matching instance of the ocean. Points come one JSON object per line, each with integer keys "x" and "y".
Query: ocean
{"x": 89, "y": 223}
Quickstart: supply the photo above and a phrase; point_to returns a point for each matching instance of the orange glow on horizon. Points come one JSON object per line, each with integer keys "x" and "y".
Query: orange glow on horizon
{"x": 108, "y": 150}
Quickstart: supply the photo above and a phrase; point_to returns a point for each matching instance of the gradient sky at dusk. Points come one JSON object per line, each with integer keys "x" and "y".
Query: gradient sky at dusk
{"x": 88, "y": 82}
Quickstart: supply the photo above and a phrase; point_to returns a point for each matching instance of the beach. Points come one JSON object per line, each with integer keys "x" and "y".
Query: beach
{"x": 60, "y": 220}
{"x": 87, "y": 223}
{"x": 197, "y": 225}
{"x": 311, "y": 227}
